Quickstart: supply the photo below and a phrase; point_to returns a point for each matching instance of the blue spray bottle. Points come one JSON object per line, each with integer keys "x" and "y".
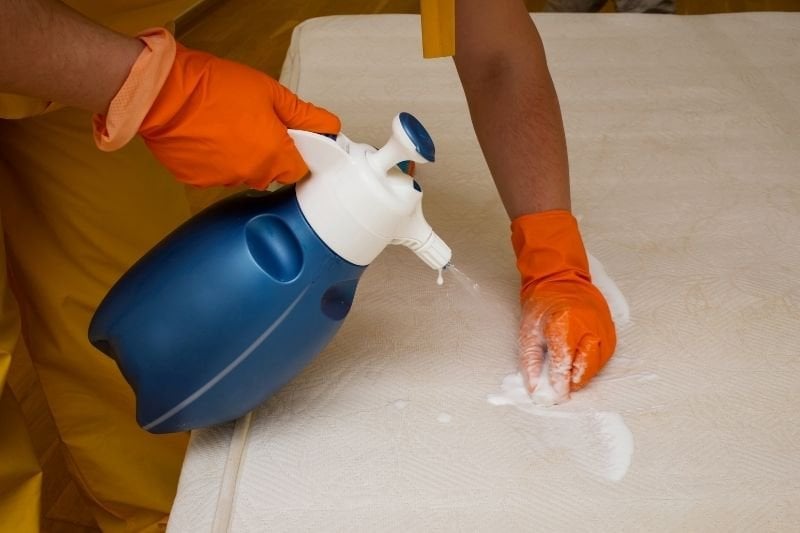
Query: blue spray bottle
{"x": 238, "y": 300}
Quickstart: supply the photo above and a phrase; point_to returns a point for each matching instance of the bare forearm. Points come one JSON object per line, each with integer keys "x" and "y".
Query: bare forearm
{"x": 501, "y": 62}
{"x": 50, "y": 51}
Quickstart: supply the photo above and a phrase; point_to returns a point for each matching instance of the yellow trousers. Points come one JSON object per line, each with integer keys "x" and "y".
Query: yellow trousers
{"x": 73, "y": 219}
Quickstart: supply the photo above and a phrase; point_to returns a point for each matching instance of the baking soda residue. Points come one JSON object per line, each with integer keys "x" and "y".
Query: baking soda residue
{"x": 598, "y": 441}
{"x": 400, "y": 404}
{"x": 620, "y": 311}
{"x": 544, "y": 394}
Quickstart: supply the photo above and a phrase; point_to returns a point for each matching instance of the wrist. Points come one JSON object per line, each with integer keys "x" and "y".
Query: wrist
{"x": 548, "y": 246}
{"x": 133, "y": 100}
{"x": 121, "y": 58}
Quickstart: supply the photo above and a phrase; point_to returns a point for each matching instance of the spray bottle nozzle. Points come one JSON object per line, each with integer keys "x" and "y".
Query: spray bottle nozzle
{"x": 357, "y": 201}
{"x": 417, "y": 235}
{"x": 435, "y": 253}
{"x": 410, "y": 141}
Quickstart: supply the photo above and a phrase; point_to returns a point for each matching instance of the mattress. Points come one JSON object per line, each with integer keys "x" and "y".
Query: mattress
{"x": 684, "y": 143}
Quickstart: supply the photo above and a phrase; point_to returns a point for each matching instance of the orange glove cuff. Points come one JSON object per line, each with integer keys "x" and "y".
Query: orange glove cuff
{"x": 549, "y": 248}
{"x": 134, "y": 99}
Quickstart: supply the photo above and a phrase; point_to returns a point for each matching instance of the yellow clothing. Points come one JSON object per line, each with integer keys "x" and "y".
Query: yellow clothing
{"x": 74, "y": 219}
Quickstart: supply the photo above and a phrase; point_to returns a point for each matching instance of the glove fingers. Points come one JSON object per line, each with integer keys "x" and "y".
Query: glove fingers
{"x": 531, "y": 356}
{"x": 587, "y": 362}
{"x": 531, "y": 350}
{"x": 543, "y": 348}
{"x": 560, "y": 374}
{"x": 285, "y": 165}
{"x": 560, "y": 350}
{"x": 298, "y": 114}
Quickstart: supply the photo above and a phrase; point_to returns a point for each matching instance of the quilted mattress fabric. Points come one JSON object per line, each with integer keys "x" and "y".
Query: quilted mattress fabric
{"x": 684, "y": 139}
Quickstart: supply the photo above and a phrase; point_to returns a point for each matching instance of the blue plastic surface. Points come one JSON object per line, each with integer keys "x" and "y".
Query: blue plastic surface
{"x": 224, "y": 311}
{"x": 418, "y": 135}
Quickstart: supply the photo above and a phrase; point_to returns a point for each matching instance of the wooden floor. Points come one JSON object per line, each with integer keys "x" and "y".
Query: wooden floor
{"x": 257, "y": 32}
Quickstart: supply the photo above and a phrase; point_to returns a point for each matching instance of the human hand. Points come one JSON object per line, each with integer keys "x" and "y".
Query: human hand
{"x": 208, "y": 120}
{"x": 566, "y": 331}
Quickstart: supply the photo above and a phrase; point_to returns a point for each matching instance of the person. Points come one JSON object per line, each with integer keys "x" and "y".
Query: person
{"x": 75, "y": 217}
{"x": 621, "y": 6}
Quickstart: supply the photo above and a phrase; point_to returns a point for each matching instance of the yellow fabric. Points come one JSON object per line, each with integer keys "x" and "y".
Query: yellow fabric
{"x": 13, "y": 106}
{"x": 438, "y": 27}
{"x": 74, "y": 219}
{"x": 20, "y": 475}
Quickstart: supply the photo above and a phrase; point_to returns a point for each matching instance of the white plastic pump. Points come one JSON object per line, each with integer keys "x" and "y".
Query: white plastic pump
{"x": 358, "y": 201}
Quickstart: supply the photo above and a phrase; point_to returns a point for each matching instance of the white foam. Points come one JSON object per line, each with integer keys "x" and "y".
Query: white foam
{"x": 544, "y": 394}
{"x": 620, "y": 311}
{"x": 400, "y": 404}
{"x": 618, "y": 440}
{"x": 444, "y": 418}
{"x": 598, "y": 441}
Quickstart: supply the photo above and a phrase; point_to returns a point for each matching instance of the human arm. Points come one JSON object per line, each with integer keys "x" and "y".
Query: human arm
{"x": 514, "y": 107}
{"x": 515, "y": 111}
{"x": 51, "y": 51}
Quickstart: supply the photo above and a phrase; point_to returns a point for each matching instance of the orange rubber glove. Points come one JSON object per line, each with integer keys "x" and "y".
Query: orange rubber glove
{"x": 565, "y": 320}
{"x": 208, "y": 120}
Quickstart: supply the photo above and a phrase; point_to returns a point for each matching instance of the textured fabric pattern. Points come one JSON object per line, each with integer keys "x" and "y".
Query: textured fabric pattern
{"x": 622, "y": 6}
{"x": 684, "y": 135}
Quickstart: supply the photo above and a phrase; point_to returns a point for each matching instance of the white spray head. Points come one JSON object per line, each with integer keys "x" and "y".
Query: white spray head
{"x": 409, "y": 142}
{"x": 358, "y": 201}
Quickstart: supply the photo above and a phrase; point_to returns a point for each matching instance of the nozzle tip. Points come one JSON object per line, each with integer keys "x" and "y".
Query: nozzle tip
{"x": 435, "y": 252}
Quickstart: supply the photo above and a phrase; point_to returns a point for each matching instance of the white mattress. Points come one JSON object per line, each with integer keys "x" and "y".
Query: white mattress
{"x": 684, "y": 139}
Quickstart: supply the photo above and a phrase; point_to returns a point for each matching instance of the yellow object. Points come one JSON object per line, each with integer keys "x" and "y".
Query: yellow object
{"x": 73, "y": 220}
{"x": 13, "y": 106}
{"x": 438, "y": 28}
{"x": 20, "y": 475}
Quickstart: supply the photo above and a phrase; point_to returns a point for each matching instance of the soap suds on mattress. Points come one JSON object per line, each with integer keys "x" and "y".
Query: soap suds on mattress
{"x": 599, "y": 441}
{"x": 617, "y": 303}
{"x": 544, "y": 394}
{"x": 400, "y": 404}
